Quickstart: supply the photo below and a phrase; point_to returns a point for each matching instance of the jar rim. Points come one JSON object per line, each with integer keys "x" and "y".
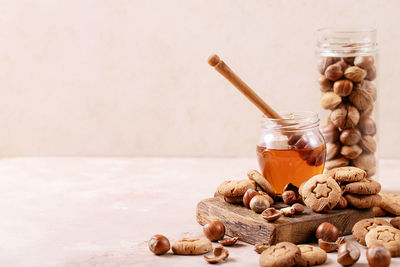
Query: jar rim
{"x": 346, "y": 41}
{"x": 291, "y": 121}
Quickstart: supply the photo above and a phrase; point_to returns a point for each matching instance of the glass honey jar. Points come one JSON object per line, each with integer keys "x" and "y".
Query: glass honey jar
{"x": 291, "y": 149}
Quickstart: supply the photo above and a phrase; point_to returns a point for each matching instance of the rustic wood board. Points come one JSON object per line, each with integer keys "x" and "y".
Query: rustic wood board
{"x": 252, "y": 228}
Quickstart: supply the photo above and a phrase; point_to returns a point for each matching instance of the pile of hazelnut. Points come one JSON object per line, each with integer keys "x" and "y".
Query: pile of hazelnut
{"x": 347, "y": 252}
{"x": 349, "y": 92}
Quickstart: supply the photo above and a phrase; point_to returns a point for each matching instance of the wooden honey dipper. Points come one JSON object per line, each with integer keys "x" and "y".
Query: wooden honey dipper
{"x": 222, "y": 68}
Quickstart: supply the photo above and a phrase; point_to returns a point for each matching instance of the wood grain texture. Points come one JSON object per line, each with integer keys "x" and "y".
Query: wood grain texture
{"x": 252, "y": 228}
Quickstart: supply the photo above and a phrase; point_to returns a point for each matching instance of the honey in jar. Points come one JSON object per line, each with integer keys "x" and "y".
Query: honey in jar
{"x": 291, "y": 150}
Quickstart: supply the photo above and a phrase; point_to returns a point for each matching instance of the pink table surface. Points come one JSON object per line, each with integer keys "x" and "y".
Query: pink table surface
{"x": 102, "y": 211}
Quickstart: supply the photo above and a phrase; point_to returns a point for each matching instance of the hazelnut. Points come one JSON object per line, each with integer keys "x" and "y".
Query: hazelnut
{"x": 291, "y": 187}
{"x": 354, "y": 74}
{"x": 365, "y": 62}
{"x": 368, "y": 144}
{"x": 345, "y": 116}
{"x": 342, "y": 204}
{"x": 342, "y": 87}
{"x": 298, "y": 208}
{"x": 271, "y": 214}
{"x": 332, "y": 149}
{"x": 366, "y": 162}
{"x": 324, "y": 62}
{"x": 367, "y": 126}
{"x": 371, "y": 74}
{"x": 330, "y": 100}
{"x": 270, "y": 200}
{"x": 351, "y": 152}
{"x": 350, "y": 136}
{"x": 228, "y": 241}
{"x": 259, "y": 203}
{"x": 289, "y": 197}
{"x": 330, "y": 133}
{"x": 334, "y": 72}
{"x": 348, "y": 254}
{"x": 250, "y": 193}
{"x": 288, "y": 211}
{"x": 325, "y": 84}
{"x": 363, "y": 95}
{"x": 220, "y": 254}
{"x": 327, "y": 232}
{"x": 159, "y": 244}
{"x": 214, "y": 231}
{"x": 343, "y": 65}
{"x": 378, "y": 256}
{"x": 328, "y": 246}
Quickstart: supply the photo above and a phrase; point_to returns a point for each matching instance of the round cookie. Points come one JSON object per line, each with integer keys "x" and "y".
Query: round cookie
{"x": 395, "y": 222}
{"x": 261, "y": 181}
{"x": 192, "y": 246}
{"x": 235, "y": 188}
{"x": 363, "y": 201}
{"x": 321, "y": 193}
{"x": 284, "y": 254}
{"x": 390, "y": 202}
{"x": 311, "y": 256}
{"x": 347, "y": 174}
{"x": 361, "y": 228}
{"x": 387, "y": 236}
{"x": 363, "y": 187}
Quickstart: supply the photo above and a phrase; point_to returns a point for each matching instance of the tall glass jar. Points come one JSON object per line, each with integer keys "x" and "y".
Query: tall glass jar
{"x": 347, "y": 66}
{"x": 291, "y": 149}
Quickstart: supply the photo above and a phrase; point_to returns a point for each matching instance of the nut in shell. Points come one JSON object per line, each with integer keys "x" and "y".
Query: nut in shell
{"x": 368, "y": 144}
{"x": 327, "y": 246}
{"x": 343, "y": 87}
{"x": 350, "y": 137}
{"x": 214, "y": 231}
{"x": 298, "y": 208}
{"x": 378, "y": 256}
{"x": 363, "y": 95}
{"x": 325, "y": 84}
{"x": 355, "y": 74}
{"x": 351, "y": 152}
{"x": 365, "y": 62}
{"x": 327, "y": 232}
{"x": 159, "y": 244}
{"x": 334, "y": 72}
{"x": 220, "y": 254}
{"x": 345, "y": 116}
{"x": 330, "y": 100}
{"x": 259, "y": 203}
{"x": 371, "y": 74}
{"x": 250, "y": 193}
{"x": 367, "y": 126}
{"x": 325, "y": 62}
{"x": 348, "y": 254}
{"x": 289, "y": 197}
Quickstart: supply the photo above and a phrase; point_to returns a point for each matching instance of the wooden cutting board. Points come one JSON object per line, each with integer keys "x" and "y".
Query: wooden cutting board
{"x": 252, "y": 228}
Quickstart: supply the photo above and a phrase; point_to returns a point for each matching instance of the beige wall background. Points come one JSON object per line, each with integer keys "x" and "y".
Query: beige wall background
{"x": 130, "y": 78}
